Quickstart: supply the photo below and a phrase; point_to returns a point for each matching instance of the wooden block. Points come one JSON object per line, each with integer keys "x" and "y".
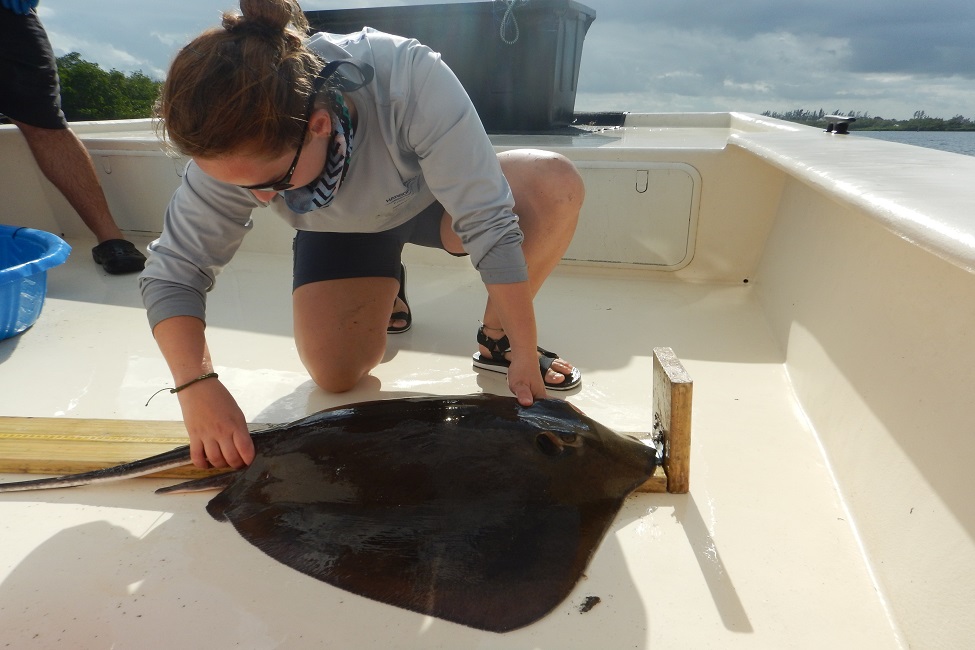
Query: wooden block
{"x": 656, "y": 484}
{"x": 59, "y": 446}
{"x": 672, "y": 391}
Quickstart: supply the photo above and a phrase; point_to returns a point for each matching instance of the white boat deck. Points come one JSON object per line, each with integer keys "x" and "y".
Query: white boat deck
{"x": 760, "y": 554}
{"x": 820, "y": 299}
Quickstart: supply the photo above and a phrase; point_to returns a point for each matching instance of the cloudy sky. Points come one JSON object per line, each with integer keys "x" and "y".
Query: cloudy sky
{"x": 887, "y": 58}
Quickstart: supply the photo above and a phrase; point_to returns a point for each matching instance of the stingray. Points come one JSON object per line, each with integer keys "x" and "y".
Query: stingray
{"x": 471, "y": 509}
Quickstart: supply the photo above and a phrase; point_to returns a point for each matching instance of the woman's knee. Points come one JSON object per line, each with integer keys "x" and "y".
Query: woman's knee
{"x": 340, "y": 328}
{"x": 339, "y": 369}
{"x": 331, "y": 382}
{"x": 544, "y": 180}
{"x": 564, "y": 179}
{"x": 335, "y": 377}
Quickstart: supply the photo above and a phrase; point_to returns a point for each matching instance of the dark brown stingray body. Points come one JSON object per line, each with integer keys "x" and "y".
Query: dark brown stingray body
{"x": 472, "y": 509}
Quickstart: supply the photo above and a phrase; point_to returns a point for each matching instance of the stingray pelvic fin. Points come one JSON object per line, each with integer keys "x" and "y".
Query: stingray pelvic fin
{"x": 214, "y": 482}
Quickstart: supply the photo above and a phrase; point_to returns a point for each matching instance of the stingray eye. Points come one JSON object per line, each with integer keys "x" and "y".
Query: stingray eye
{"x": 571, "y": 439}
{"x": 549, "y": 443}
{"x": 265, "y": 475}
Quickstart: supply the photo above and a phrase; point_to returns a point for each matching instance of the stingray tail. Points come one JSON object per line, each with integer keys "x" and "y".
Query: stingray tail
{"x": 168, "y": 460}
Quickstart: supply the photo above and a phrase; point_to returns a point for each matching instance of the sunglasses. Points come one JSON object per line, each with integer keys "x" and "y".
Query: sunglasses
{"x": 365, "y": 73}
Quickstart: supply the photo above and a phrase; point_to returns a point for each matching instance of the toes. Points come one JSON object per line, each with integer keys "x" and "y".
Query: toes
{"x": 554, "y": 377}
{"x": 559, "y": 372}
{"x": 562, "y": 366}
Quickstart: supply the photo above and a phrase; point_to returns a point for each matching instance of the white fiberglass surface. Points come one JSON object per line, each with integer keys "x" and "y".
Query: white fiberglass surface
{"x": 759, "y": 554}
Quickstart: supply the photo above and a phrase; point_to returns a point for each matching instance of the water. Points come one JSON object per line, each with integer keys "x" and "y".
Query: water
{"x": 954, "y": 141}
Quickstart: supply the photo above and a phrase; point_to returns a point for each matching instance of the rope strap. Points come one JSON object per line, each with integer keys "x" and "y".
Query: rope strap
{"x": 209, "y": 375}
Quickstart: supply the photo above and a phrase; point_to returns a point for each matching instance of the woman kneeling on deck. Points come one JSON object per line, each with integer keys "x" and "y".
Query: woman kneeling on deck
{"x": 362, "y": 142}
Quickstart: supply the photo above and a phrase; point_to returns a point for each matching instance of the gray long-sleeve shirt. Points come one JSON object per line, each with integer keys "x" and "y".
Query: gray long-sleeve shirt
{"x": 418, "y": 139}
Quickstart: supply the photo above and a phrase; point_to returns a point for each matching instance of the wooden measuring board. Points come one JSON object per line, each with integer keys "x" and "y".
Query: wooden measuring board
{"x": 59, "y": 446}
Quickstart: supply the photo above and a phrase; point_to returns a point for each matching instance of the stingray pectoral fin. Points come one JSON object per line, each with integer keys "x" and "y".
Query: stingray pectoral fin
{"x": 496, "y": 568}
{"x": 214, "y": 482}
{"x": 473, "y": 510}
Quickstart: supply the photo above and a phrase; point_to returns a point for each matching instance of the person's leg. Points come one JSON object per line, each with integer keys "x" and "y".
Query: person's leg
{"x": 344, "y": 286}
{"x": 30, "y": 95}
{"x": 548, "y": 192}
{"x": 32, "y": 101}
{"x": 66, "y": 163}
{"x": 340, "y": 328}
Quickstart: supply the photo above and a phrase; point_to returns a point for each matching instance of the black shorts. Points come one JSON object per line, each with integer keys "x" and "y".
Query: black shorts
{"x": 340, "y": 255}
{"x": 30, "y": 91}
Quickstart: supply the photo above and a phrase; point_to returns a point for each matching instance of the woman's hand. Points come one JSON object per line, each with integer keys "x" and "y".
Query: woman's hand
{"x": 525, "y": 379}
{"x": 216, "y": 426}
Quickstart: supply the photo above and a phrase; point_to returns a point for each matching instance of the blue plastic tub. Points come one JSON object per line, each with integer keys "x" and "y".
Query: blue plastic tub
{"x": 25, "y": 256}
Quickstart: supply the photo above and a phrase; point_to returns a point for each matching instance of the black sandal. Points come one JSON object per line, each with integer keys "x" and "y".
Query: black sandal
{"x": 118, "y": 256}
{"x": 497, "y": 363}
{"x": 401, "y": 315}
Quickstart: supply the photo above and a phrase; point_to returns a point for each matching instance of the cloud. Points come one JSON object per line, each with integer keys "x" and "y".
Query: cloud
{"x": 143, "y": 37}
{"x": 105, "y": 54}
{"x": 695, "y": 55}
{"x": 707, "y": 64}
{"x": 887, "y": 57}
{"x": 930, "y": 37}
{"x": 170, "y": 39}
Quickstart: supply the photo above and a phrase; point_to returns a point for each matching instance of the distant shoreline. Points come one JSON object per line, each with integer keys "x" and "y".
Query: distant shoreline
{"x": 864, "y": 122}
{"x": 963, "y": 130}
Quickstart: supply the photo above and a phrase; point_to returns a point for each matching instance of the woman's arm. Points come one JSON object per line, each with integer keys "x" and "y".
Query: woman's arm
{"x": 216, "y": 425}
{"x": 462, "y": 170}
{"x": 203, "y": 227}
{"x": 514, "y": 303}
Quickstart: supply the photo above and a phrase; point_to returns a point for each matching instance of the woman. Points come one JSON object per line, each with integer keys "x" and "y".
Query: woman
{"x": 361, "y": 142}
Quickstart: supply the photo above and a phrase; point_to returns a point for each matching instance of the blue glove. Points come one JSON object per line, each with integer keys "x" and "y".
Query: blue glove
{"x": 21, "y": 7}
